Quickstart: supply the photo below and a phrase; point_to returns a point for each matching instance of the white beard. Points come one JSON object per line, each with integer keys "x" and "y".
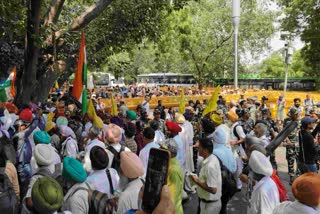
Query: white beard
{"x": 87, "y": 163}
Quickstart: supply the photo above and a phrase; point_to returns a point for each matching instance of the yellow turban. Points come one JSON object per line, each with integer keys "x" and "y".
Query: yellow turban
{"x": 216, "y": 118}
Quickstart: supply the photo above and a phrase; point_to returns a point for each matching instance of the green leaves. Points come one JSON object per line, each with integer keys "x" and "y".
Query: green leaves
{"x": 302, "y": 19}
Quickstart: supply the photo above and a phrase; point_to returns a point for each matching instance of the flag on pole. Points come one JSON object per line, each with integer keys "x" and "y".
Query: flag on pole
{"x": 114, "y": 108}
{"x": 91, "y": 112}
{"x": 56, "y": 85}
{"x": 8, "y": 90}
{"x": 182, "y": 103}
{"x": 212, "y": 104}
{"x": 79, "y": 90}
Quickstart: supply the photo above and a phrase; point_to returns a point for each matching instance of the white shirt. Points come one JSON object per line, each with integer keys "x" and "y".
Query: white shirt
{"x": 211, "y": 174}
{"x": 94, "y": 142}
{"x": 128, "y": 199}
{"x": 159, "y": 136}
{"x": 289, "y": 207}
{"x": 77, "y": 202}
{"x": 70, "y": 148}
{"x": 144, "y": 155}
{"x": 169, "y": 116}
{"x": 99, "y": 180}
{"x": 265, "y": 197}
{"x": 241, "y": 134}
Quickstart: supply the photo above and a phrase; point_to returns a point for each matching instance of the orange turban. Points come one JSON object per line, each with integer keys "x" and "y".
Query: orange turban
{"x": 306, "y": 189}
{"x": 233, "y": 117}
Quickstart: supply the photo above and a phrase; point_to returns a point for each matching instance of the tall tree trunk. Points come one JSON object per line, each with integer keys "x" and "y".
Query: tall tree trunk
{"x": 27, "y": 81}
{"x": 200, "y": 78}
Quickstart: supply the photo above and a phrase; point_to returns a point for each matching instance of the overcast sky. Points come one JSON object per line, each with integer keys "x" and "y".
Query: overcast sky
{"x": 275, "y": 43}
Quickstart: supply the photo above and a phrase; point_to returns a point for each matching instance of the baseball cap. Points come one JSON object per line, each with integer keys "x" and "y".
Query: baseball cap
{"x": 307, "y": 120}
{"x": 293, "y": 111}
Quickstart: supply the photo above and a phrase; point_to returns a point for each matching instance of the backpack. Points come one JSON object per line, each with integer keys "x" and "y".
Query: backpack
{"x": 116, "y": 159}
{"x": 8, "y": 198}
{"x": 235, "y": 132}
{"x": 110, "y": 181}
{"x": 229, "y": 184}
{"x": 99, "y": 203}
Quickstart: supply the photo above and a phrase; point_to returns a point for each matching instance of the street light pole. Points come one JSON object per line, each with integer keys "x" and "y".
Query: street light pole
{"x": 236, "y": 21}
{"x": 285, "y": 81}
{"x": 288, "y": 60}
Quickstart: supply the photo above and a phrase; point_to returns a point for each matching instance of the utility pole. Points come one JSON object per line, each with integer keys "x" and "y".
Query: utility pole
{"x": 235, "y": 22}
{"x": 288, "y": 52}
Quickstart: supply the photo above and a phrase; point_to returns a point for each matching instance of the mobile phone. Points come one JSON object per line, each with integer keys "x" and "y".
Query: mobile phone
{"x": 156, "y": 177}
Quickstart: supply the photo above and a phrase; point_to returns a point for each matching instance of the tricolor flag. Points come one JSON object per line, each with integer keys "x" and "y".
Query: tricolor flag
{"x": 79, "y": 90}
{"x": 8, "y": 90}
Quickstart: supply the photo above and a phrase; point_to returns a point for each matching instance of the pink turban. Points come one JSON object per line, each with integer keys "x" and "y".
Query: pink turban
{"x": 131, "y": 165}
{"x": 114, "y": 133}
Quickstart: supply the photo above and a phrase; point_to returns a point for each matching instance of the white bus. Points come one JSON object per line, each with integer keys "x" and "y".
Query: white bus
{"x": 166, "y": 79}
{"x": 107, "y": 79}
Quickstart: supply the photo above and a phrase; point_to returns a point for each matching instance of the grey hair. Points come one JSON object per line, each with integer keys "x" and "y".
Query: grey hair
{"x": 263, "y": 127}
{"x": 170, "y": 145}
{"x": 95, "y": 131}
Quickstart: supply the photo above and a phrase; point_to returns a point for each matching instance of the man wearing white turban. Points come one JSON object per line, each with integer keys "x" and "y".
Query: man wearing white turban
{"x": 69, "y": 147}
{"x": 265, "y": 196}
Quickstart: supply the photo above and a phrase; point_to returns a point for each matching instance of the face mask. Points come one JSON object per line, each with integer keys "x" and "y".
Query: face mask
{"x": 297, "y": 105}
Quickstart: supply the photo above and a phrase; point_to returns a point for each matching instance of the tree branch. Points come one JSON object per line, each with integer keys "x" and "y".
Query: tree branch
{"x": 91, "y": 13}
{"x": 217, "y": 47}
{"x": 54, "y": 11}
{"x": 194, "y": 59}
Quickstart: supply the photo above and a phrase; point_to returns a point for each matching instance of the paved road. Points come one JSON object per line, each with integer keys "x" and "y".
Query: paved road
{"x": 238, "y": 204}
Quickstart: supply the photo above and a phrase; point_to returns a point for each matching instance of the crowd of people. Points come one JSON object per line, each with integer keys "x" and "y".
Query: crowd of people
{"x": 54, "y": 159}
{"x": 132, "y": 91}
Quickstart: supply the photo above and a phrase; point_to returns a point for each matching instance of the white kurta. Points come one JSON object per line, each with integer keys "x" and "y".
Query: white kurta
{"x": 289, "y": 207}
{"x": 77, "y": 201}
{"x": 70, "y": 148}
{"x": 128, "y": 199}
{"x": 94, "y": 142}
{"x": 237, "y": 148}
{"x": 159, "y": 136}
{"x": 186, "y": 136}
{"x": 265, "y": 197}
